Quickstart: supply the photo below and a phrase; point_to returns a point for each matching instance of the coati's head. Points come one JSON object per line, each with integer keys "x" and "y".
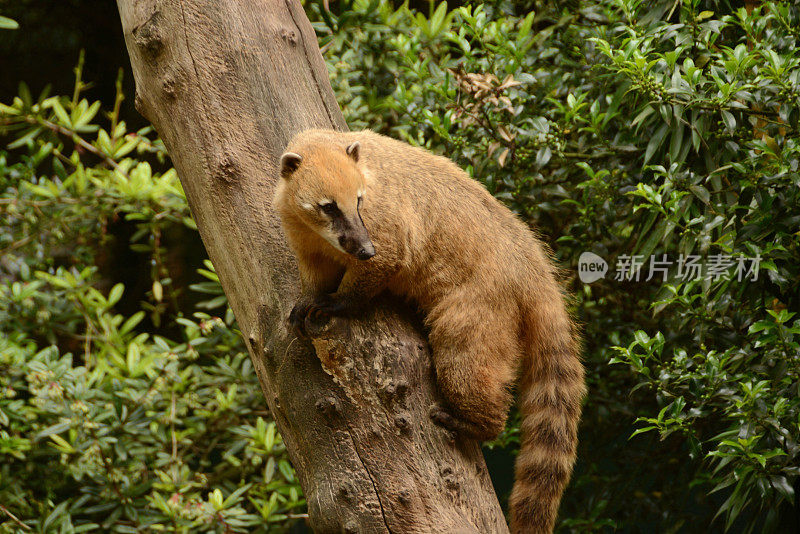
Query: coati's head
{"x": 324, "y": 188}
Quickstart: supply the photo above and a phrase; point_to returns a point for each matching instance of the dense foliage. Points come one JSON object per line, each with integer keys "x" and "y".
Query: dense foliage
{"x": 105, "y": 424}
{"x": 641, "y": 132}
{"x": 633, "y": 130}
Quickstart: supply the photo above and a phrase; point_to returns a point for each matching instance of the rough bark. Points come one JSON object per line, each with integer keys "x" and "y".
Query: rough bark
{"x": 227, "y": 84}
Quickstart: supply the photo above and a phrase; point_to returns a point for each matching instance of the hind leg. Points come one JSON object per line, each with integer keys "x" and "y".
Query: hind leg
{"x": 475, "y": 366}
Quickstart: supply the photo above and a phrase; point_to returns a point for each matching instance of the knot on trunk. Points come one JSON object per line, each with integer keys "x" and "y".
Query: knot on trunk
{"x": 328, "y": 405}
{"x": 289, "y": 35}
{"x": 149, "y": 38}
{"x": 394, "y": 392}
{"x": 227, "y": 170}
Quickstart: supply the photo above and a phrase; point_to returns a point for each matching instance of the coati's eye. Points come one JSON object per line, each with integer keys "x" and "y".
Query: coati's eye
{"x": 359, "y": 201}
{"x": 329, "y": 208}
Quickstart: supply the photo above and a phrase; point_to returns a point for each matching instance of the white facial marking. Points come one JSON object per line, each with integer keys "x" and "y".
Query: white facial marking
{"x": 331, "y": 238}
{"x": 307, "y": 206}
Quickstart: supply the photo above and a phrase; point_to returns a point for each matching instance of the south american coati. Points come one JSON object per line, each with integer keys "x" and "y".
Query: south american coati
{"x": 365, "y": 213}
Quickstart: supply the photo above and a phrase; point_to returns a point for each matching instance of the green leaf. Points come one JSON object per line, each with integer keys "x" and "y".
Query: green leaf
{"x": 61, "y": 114}
{"x": 701, "y": 193}
{"x": 655, "y": 142}
{"x": 676, "y": 142}
{"x": 115, "y": 294}
{"x": 54, "y": 429}
{"x": 29, "y": 136}
{"x": 729, "y": 120}
{"x": 642, "y": 431}
{"x": 525, "y": 27}
{"x": 646, "y": 112}
{"x": 25, "y": 95}
{"x": 132, "y": 321}
{"x": 53, "y": 517}
{"x": 8, "y": 24}
{"x": 234, "y": 497}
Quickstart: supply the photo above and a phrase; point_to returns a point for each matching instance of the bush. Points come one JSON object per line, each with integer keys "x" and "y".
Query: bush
{"x": 105, "y": 424}
{"x": 632, "y": 130}
{"x": 628, "y": 129}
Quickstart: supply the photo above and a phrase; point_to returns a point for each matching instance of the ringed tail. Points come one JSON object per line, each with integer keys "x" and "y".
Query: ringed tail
{"x": 551, "y": 390}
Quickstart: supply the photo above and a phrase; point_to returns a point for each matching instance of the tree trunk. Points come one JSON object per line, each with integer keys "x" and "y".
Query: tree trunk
{"x": 227, "y": 84}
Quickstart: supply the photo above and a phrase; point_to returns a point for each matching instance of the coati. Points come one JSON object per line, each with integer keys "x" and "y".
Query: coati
{"x": 365, "y": 213}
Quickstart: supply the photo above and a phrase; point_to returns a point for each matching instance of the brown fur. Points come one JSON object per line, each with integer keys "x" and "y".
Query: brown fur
{"x": 485, "y": 283}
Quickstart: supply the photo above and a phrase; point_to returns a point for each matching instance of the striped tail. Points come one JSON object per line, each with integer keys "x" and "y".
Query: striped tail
{"x": 551, "y": 389}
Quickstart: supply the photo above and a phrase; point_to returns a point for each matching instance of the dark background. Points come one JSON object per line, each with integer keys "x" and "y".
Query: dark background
{"x": 46, "y": 47}
{"x": 52, "y": 33}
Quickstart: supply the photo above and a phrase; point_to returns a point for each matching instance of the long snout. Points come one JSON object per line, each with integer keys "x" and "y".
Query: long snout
{"x": 366, "y": 251}
{"x": 356, "y": 241}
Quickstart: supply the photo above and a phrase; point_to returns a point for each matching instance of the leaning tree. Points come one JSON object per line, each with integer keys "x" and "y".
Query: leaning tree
{"x": 227, "y": 83}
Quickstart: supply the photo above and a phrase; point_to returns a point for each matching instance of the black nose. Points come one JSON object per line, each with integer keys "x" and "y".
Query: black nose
{"x": 365, "y": 254}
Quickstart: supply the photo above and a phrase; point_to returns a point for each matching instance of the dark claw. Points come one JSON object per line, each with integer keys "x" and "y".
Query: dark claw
{"x": 318, "y": 309}
{"x": 442, "y": 417}
{"x": 326, "y": 306}
{"x": 456, "y": 425}
{"x": 318, "y": 314}
{"x": 297, "y": 317}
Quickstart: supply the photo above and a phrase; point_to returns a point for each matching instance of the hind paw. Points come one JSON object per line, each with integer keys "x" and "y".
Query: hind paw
{"x": 483, "y": 431}
{"x": 443, "y": 418}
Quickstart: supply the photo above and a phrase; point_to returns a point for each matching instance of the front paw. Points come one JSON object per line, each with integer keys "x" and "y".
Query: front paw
{"x": 326, "y": 306}
{"x": 318, "y": 309}
{"x": 297, "y": 317}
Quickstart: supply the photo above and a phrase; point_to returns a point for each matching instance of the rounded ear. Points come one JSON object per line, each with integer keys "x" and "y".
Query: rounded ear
{"x": 353, "y": 150}
{"x": 289, "y": 163}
